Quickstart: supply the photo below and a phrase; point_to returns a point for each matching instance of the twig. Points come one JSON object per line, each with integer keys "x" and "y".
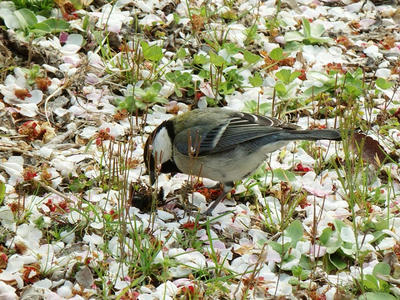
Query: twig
{"x": 50, "y": 189}
{"x": 15, "y": 149}
{"x": 60, "y": 88}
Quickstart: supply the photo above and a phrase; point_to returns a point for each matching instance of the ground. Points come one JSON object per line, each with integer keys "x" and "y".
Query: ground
{"x": 83, "y": 84}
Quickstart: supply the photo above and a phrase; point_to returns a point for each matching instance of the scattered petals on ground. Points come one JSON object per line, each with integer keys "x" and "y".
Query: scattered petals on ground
{"x": 82, "y": 88}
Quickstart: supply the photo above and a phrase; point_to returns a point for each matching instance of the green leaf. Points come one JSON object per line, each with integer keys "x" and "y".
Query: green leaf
{"x": 251, "y": 34}
{"x": 328, "y": 266}
{"x": 280, "y": 88}
{"x": 26, "y": 17}
{"x": 293, "y": 46}
{"x": 225, "y": 88}
{"x": 347, "y": 235}
{"x": 316, "y": 90}
{"x": 284, "y": 175}
{"x": 178, "y": 92}
{"x": 296, "y": 271}
{"x": 295, "y": 232}
{"x": 371, "y": 282}
{"x": 180, "y": 79}
{"x": 333, "y": 244}
{"x": 317, "y": 30}
{"x": 253, "y": 106}
{"x": 283, "y": 75}
{"x": 293, "y": 36}
{"x": 276, "y": 54}
{"x": 325, "y": 236}
{"x": 278, "y": 247}
{"x": 55, "y": 25}
{"x": 177, "y": 18}
{"x": 381, "y": 223}
{"x": 250, "y": 57}
{"x": 200, "y": 59}
{"x": 171, "y": 76}
{"x": 306, "y": 28}
{"x": 378, "y": 236}
{"x": 231, "y": 48}
{"x": 305, "y": 262}
{"x": 294, "y": 281}
{"x": 41, "y": 28}
{"x": 294, "y": 75}
{"x": 376, "y": 296}
{"x": 85, "y": 22}
{"x": 317, "y": 40}
{"x": 383, "y": 83}
{"x": 2, "y": 192}
{"x": 181, "y": 53}
{"x": 256, "y": 80}
{"x": 337, "y": 261}
{"x": 347, "y": 248}
{"x": 9, "y": 18}
{"x": 156, "y": 87}
{"x": 152, "y": 53}
{"x": 216, "y": 59}
{"x": 381, "y": 268}
{"x": 339, "y": 225}
{"x": 204, "y": 74}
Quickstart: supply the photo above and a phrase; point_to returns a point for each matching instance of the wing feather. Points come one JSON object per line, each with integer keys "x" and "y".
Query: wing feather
{"x": 235, "y": 130}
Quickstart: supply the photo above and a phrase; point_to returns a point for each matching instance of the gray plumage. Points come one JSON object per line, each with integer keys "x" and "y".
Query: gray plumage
{"x": 221, "y": 144}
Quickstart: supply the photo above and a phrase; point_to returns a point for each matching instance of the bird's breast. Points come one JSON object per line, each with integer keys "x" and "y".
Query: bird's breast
{"x": 231, "y": 165}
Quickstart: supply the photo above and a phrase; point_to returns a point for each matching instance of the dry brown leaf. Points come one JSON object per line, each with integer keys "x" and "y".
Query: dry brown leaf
{"x": 371, "y": 151}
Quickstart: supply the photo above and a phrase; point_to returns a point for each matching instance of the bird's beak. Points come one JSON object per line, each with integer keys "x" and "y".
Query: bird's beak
{"x": 152, "y": 176}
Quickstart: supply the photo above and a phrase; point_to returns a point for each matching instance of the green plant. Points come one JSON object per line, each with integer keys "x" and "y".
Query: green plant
{"x": 152, "y": 53}
{"x": 374, "y": 282}
{"x": 251, "y": 34}
{"x": 377, "y": 296}
{"x": 299, "y": 274}
{"x": 295, "y": 232}
{"x": 253, "y": 107}
{"x": 26, "y": 20}
{"x": 2, "y": 192}
{"x": 141, "y": 98}
{"x": 285, "y": 85}
{"x": 33, "y": 73}
{"x": 311, "y": 35}
{"x": 182, "y": 80}
{"x": 40, "y": 7}
{"x": 279, "y": 212}
{"x": 222, "y": 72}
{"x": 340, "y": 246}
{"x": 80, "y": 184}
{"x": 351, "y": 84}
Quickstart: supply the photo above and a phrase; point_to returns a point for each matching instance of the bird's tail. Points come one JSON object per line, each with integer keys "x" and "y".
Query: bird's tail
{"x": 312, "y": 135}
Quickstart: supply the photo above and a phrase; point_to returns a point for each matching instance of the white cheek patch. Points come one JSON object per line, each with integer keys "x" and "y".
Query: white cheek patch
{"x": 162, "y": 147}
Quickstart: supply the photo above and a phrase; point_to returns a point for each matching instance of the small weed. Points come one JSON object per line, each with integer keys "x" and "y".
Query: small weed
{"x": 40, "y": 7}
{"x": 311, "y": 35}
{"x": 139, "y": 99}
{"x": 182, "y": 81}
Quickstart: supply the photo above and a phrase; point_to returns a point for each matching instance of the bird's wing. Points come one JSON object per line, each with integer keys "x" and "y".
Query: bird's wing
{"x": 237, "y": 129}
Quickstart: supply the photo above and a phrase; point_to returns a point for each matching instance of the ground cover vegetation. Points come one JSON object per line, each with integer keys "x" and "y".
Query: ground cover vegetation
{"x": 83, "y": 83}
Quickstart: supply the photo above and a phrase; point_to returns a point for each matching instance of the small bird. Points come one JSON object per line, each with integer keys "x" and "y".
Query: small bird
{"x": 220, "y": 144}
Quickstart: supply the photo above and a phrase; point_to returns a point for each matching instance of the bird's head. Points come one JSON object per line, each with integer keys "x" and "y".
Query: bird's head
{"x": 158, "y": 151}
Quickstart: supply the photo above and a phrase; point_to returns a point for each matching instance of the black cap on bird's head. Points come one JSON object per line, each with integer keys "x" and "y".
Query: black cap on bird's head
{"x": 158, "y": 151}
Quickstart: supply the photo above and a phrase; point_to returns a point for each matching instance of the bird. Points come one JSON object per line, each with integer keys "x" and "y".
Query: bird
{"x": 220, "y": 144}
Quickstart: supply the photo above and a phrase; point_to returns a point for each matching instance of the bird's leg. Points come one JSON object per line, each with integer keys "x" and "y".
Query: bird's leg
{"x": 227, "y": 188}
